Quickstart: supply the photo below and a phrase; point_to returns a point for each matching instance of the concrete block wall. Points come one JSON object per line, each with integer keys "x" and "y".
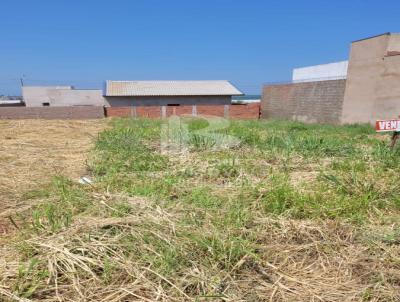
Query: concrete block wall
{"x": 314, "y": 102}
{"x": 89, "y": 112}
{"x": 245, "y": 111}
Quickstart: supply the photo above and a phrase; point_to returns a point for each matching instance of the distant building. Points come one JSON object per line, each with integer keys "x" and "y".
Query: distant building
{"x": 61, "y": 96}
{"x": 133, "y": 93}
{"x": 169, "y": 93}
{"x": 246, "y": 99}
{"x": 331, "y": 71}
{"x": 10, "y": 101}
{"x": 362, "y": 90}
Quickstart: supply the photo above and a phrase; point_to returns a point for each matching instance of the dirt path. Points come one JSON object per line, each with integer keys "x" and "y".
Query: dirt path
{"x": 33, "y": 151}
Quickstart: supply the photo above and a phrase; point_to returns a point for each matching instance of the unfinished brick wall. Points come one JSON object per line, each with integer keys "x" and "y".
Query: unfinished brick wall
{"x": 218, "y": 110}
{"x": 179, "y": 110}
{"x": 119, "y": 111}
{"x": 148, "y": 112}
{"x": 89, "y": 112}
{"x": 245, "y": 111}
{"x": 317, "y": 102}
{"x": 134, "y": 111}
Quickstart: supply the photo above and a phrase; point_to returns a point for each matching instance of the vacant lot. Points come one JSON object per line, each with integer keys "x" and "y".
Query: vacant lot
{"x": 32, "y": 152}
{"x": 284, "y": 212}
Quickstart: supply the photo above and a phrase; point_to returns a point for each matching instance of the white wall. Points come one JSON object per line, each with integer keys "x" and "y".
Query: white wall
{"x": 35, "y": 96}
{"x": 331, "y": 71}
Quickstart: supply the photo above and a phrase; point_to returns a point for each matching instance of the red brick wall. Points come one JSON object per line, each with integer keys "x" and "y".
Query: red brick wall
{"x": 178, "y": 110}
{"x": 216, "y": 110}
{"x": 245, "y": 111}
{"x": 118, "y": 111}
{"x": 147, "y": 112}
{"x": 138, "y": 111}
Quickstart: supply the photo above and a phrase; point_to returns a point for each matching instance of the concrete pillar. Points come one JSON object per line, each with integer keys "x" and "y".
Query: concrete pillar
{"x": 194, "y": 110}
{"x": 133, "y": 112}
{"x": 226, "y": 111}
{"x": 163, "y": 111}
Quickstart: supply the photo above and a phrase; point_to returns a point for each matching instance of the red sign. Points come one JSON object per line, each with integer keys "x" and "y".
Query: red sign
{"x": 387, "y": 125}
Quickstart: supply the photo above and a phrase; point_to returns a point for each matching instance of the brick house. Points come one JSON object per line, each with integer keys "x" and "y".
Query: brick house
{"x": 164, "y": 98}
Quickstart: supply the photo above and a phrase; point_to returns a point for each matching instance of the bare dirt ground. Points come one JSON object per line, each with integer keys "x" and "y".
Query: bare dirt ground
{"x": 34, "y": 151}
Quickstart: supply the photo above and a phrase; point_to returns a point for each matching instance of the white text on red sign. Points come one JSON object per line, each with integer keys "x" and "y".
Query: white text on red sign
{"x": 387, "y": 125}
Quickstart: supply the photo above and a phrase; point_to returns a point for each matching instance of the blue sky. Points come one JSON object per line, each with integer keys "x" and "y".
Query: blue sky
{"x": 247, "y": 42}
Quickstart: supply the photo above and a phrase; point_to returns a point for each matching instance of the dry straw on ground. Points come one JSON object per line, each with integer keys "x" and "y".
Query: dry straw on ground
{"x": 33, "y": 151}
{"x": 298, "y": 261}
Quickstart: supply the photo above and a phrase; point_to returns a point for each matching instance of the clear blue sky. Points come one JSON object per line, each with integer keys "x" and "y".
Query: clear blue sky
{"x": 84, "y": 42}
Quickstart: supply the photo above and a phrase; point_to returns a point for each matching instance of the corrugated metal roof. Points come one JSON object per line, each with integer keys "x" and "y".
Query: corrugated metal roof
{"x": 170, "y": 88}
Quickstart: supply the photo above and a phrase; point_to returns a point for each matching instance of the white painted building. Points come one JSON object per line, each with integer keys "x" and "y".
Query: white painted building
{"x": 59, "y": 96}
{"x": 331, "y": 71}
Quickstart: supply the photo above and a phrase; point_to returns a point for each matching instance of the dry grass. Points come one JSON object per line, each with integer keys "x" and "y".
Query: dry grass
{"x": 279, "y": 219}
{"x": 295, "y": 261}
{"x": 33, "y": 151}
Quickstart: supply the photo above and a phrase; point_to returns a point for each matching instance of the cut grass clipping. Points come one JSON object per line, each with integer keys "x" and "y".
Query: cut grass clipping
{"x": 295, "y": 212}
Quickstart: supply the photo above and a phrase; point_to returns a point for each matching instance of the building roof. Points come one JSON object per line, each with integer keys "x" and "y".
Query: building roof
{"x": 170, "y": 88}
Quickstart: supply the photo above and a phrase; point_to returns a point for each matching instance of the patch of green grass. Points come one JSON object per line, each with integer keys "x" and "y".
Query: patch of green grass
{"x": 127, "y": 160}
{"x": 122, "y": 150}
{"x": 221, "y": 250}
{"x": 202, "y": 198}
{"x": 30, "y": 277}
{"x": 121, "y": 209}
{"x": 66, "y": 200}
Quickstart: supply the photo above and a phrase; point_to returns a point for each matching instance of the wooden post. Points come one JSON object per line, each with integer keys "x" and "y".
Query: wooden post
{"x": 395, "y": 137}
